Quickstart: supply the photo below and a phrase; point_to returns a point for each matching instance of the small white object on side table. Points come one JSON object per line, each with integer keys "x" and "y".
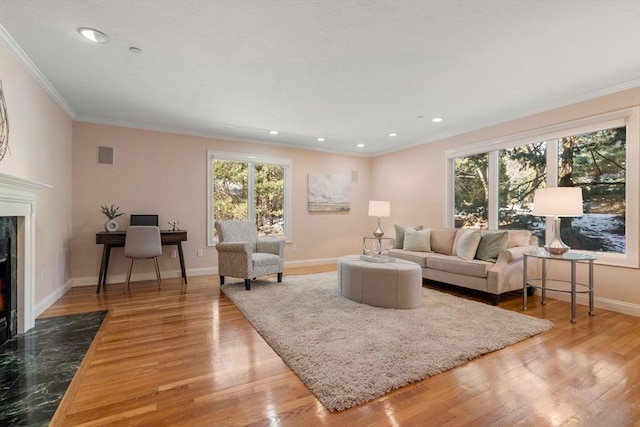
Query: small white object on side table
{"x": 571, "y": 287}
{"x": 392, "y": 284}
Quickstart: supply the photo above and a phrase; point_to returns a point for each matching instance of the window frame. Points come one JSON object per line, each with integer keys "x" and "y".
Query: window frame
{"x": 250, "y": 159}
{"x": 627, "y": 117}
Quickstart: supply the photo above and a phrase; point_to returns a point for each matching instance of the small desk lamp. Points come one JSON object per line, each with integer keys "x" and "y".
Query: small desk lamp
{"x": 379, "y": 209}
{"x": 557, "y": 202}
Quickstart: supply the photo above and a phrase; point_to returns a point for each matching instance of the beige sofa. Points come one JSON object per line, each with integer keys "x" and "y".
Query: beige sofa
{"x": 444, "y": 264}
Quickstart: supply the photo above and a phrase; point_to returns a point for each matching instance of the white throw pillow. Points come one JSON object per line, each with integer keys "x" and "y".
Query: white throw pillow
{"x": 468, "y": 244}
{"x": 417, "y": 240}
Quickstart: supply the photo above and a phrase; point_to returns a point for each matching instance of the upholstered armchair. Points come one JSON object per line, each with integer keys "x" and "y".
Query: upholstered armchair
{"x": 241, "y": 253}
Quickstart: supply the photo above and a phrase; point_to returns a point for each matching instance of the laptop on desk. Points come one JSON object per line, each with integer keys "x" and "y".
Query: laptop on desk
{"x": 143, "y": 219}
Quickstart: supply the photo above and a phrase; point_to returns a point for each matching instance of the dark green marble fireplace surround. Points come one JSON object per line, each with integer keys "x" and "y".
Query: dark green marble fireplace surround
{"x": 37, "y": 367}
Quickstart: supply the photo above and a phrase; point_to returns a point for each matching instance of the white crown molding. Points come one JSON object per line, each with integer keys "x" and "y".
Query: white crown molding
{"x": 202, "y": 134}
{"x": 16, "y": 51}
{"x": 548, "y": 107}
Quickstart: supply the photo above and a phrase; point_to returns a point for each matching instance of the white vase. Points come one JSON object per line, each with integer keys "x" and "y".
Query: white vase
{"x": 111, "y": 225}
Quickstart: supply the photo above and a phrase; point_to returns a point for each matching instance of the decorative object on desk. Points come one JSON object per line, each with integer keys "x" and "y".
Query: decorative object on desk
{"x": 379, "y": 209}
{"x": 557, "y": 202}
{"x": 112, "y": 213}
{"x": 4, "y": 125}
{"x": 174, "y": 225}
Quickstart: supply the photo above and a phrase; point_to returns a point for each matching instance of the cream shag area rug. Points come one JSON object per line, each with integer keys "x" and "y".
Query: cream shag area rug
{"x": 349, "y": 353}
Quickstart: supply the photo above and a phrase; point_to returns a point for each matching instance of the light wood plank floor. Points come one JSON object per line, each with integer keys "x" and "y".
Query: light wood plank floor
{"x": 185, "y": 356}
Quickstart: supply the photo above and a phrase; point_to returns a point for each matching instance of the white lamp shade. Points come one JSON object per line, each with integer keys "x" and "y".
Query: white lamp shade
{"x": 558, "y": 201}
{"x": 379, "y": 208}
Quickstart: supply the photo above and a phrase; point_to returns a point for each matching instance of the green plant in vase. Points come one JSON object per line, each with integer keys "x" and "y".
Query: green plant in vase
{"x": 111, "y": 212}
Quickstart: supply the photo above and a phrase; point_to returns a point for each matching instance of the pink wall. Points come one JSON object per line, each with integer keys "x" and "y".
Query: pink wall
{"x": 417, "y": 197}
{"x": 40, "y": 144}
{"x": 165, "y": 173}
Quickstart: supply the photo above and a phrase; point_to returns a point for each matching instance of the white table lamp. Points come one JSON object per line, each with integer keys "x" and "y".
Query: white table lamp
{"x": 557, "y": 202}
{"x": 379, "y": 209}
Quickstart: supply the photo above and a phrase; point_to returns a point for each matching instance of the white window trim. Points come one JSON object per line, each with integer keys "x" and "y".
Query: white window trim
{"x": 249, "y": 158}
{"x": 629, "y": 117}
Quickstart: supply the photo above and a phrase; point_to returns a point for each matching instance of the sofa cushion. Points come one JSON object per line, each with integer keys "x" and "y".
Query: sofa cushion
{"x": 419, "y": 258}
{"x": 467, "y": 244}
{"x": 452, "y": 264}
{"x": 442, "y": 240}
{"x": 400, "y": 231}
{"x": 417, "y": 240}
{"x": 491, "y": 244}
{"x": 518, "y": 238}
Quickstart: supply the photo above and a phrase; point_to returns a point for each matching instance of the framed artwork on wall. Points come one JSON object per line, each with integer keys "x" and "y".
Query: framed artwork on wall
{"x": 329, "y": 193}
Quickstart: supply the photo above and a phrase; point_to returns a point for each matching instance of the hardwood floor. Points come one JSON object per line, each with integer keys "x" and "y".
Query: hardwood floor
{"x": 185, "y": 356}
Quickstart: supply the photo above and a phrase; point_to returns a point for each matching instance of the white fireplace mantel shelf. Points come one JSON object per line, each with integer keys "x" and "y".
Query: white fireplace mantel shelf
{"x": 18, "y": 198}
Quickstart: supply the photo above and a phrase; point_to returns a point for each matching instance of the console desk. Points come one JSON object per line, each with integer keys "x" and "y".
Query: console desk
{"x": 115, "y": 239}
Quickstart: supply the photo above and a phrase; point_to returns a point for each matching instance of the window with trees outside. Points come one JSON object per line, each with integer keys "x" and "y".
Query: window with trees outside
{"x": 248, "y": 188}
{"x": 494, "y": 189}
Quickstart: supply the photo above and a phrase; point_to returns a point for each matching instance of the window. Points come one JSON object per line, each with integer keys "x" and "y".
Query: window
{"x": 249, "y": 187}
{"x": 523, "y": 169}
{"x": 596, "y": 162}
{"x": 491, "y": 184}
{"x": 471, "y": 196}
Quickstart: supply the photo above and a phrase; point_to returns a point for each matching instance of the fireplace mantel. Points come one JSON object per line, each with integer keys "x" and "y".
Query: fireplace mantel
{"x": 18, "y": 198}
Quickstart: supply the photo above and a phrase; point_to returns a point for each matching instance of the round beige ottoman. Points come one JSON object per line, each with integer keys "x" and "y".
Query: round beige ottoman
{"x": 396, "y": 284}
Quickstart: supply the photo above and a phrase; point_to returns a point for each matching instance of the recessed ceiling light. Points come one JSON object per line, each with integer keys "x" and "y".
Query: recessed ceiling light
{"x": 93, "y": 35}
{"x": 273, "y": 132}
{"x": 393, "y": 134}
{"x": 437, "y": 119}
{"x": 135, "y": 50}
{"x": 320, "y": 139}
{"x": 360, "y": 145}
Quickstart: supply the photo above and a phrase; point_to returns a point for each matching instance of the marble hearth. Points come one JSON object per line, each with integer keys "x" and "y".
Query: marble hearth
{"x": 18, "y": 199}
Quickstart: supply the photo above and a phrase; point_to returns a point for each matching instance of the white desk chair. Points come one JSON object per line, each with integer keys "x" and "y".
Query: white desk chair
{"x": 142, "y": 242}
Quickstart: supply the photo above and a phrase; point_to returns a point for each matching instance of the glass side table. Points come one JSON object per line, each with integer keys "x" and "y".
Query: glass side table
{"x": 571, "y": 287}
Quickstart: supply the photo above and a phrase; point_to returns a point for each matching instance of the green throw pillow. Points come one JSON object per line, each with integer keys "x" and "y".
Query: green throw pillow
{"x": 417, "y": 240}
{"x": 400, "y": 235}
{"x": 491, "y": 244}
{"x": 468, "y": 244}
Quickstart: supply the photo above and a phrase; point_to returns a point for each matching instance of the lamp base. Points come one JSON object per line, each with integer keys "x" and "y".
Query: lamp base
{"x": 557, "y": 250}
{"x": 556, "y": 246}
{"x": 378, "y": 233}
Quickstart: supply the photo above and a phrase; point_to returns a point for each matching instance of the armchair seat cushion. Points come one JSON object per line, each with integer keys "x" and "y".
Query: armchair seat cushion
{"x": 261, "y": 259}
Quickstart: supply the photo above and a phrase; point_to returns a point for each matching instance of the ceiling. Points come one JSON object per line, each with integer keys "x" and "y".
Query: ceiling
{"x": 349, "y": 71}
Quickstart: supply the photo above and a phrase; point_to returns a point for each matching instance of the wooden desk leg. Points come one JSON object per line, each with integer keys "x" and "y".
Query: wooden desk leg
{"x": 103, "y": 264}
{"x": 182, "y": 267}
{"x": 106, "y": 265}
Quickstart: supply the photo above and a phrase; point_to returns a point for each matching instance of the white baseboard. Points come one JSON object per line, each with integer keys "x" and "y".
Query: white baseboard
{"x": 136, "y": 277}
{"x": 120, "y": 278}
{"x": 310, "y": 262}
{"x": 51, "y": 298}
{"x": 603, "y": 303}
